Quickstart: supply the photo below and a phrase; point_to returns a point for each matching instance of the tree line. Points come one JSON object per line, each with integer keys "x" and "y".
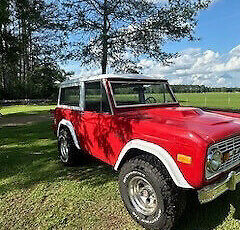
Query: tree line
{"x": 36, "y": 35}
{"x": 27, "y": 67}
{"x": 202, "y": 89}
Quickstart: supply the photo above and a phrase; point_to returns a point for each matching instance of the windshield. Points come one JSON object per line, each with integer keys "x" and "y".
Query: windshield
{"x": 140, "y": 93}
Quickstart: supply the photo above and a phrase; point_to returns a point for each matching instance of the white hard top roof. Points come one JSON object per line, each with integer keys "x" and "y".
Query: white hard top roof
{"x": 111, "y": 76}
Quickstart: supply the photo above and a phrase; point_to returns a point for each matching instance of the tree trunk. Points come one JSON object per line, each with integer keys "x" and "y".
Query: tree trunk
{"x": 104, "y": 41}
{"x": 104, "y": 57}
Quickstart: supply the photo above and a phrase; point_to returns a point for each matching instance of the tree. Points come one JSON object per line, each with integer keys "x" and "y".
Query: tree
{"x": 8, "y": 46}
{"x": 43, "y": 81}
{"x": 27, "y": 42}
{"x": 117, "y": 33}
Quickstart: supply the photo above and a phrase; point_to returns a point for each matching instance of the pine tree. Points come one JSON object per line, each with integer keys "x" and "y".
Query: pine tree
{"x": 25, "y": 46}
{"x": 117, "y": 33}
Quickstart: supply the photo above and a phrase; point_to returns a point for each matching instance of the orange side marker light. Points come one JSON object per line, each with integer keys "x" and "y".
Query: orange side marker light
{"x": 184, "y": 159}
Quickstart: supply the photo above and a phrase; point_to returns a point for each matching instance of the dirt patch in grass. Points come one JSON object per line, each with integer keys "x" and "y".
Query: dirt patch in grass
{"x": 23, "y": 120}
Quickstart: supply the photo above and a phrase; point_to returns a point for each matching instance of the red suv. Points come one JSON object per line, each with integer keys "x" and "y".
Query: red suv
{"x": 162, "y": 150}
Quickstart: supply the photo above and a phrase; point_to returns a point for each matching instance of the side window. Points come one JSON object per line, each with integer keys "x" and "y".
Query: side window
{"x": 70, "y": 96}
{"x": 96, "y": 97}
{"x": 92, "y": 96}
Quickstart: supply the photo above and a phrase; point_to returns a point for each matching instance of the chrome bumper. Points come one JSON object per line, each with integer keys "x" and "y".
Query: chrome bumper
{"x": 213, "y": 191}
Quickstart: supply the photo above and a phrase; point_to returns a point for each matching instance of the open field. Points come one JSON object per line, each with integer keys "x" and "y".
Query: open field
{"x": 25, "y": 109}
{"x": 212, "y": 100}
{"x": 38, "y": 192}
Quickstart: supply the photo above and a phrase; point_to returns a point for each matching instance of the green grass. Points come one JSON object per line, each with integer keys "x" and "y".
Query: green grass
{"x": 211, "y": 100}
{"x": 38, "y": 192}
{"x": 22, "y": 110}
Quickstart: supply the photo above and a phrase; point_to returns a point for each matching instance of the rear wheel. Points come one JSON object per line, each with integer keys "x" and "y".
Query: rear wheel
{"x": 66, "y": 148}
{"x": 149, "y": 193}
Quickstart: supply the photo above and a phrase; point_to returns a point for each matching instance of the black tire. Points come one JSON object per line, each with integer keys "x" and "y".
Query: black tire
{"x": 167, "y": 202}
{"x": 68, "y": 157}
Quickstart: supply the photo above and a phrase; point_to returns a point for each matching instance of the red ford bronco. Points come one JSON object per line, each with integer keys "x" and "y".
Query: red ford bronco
{"x": 161, "y": 149}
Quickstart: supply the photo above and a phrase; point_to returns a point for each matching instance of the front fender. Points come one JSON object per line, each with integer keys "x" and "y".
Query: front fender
{"x": 161, "y": 154}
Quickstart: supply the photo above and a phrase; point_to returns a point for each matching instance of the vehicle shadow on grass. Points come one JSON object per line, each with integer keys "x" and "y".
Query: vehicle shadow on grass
{"x": 92, "y": 172}
{"x": 29, "y": 157}
{"x": 209, "y": 216}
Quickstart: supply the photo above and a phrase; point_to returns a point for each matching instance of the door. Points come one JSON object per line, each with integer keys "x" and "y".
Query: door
{"x": 98, "y": 126}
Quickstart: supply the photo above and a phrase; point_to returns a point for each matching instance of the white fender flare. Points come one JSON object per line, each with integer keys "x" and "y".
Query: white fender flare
{"x": 71, "y": 129}
{"x": 161, "y": 154}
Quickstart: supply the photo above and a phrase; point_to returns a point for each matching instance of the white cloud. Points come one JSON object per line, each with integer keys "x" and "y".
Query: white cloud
{"x": 195, "y": 66}
{"x": 235, "y": 51}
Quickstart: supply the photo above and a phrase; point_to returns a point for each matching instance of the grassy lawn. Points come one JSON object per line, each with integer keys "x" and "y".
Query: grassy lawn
{"x": 38, "y": 192}
{"x": 19, "y": 110}
{"x": 212, "y": 100}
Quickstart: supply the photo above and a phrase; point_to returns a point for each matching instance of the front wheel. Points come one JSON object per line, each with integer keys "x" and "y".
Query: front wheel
{"x": 149, "y": 193}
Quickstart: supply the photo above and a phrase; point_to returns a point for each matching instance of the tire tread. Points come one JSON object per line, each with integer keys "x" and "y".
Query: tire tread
{"x": 172, "y": 195}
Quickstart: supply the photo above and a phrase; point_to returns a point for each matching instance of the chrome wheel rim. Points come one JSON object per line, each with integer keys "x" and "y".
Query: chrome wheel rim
{"x": 64, "y": 149}
{"x": 142, "y": 196}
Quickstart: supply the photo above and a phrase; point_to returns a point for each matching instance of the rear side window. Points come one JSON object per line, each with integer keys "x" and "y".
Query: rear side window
{"x": 70, "y": 96}
{"x": 96, "y": 97}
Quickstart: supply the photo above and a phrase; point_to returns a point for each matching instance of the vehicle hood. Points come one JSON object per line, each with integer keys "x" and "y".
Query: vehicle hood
{"x": 210, "y": 126}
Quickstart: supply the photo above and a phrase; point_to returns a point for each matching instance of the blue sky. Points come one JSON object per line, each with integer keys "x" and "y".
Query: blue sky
{"x": 212, "y": 61}
{"x": 218, "y": 28}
